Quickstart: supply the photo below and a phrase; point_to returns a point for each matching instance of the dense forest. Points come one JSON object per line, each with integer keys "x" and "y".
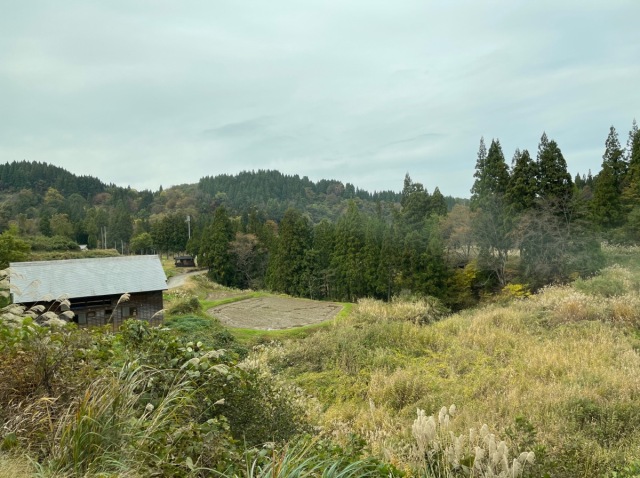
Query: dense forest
{"x": 525, "y": 225}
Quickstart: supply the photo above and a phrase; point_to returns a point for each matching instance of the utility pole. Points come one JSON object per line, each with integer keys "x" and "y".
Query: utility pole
{"x": 189, "y": 225}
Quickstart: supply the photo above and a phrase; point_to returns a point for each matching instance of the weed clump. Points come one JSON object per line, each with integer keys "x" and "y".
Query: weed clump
{"x": 187, "y": 305}
{"x": 439, "y": 452}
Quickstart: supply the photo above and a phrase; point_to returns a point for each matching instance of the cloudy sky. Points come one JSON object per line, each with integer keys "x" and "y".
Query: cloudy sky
{"x": 161, "y": 92}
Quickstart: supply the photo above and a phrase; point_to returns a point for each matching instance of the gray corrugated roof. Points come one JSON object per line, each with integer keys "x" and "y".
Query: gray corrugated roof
{"x": 49, "y": 280}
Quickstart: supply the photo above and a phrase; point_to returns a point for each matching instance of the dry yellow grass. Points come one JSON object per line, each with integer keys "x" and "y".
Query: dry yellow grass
{"x": 15, "y": 467}
{"x": 566, "y": 360}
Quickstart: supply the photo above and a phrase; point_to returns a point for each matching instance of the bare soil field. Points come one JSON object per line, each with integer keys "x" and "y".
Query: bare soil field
{"x": 272, "y": 313}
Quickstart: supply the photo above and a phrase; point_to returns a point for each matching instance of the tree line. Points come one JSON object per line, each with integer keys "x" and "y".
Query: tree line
{"x": 528, "y": 222}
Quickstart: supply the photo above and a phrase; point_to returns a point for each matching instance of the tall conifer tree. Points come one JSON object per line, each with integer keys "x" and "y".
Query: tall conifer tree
{"x": 606, "y": 204}
{"x": 287, "y": 266}
{"x": 523, "y": 185}
{"x": 347, "y": 255}
{"x": 214, "y": 248}
{"x": 492, "y": 225}
{"x": 492, "y": 173}
{"x": 554, "y": 181}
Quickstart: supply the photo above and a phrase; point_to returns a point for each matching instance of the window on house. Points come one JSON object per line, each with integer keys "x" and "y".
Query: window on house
{"x": 108, "y": 312}
{"x": 133, "y": 311}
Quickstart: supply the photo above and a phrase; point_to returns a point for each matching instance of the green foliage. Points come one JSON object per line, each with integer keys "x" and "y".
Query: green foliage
{"x": 142, "y": 243}
{"x": 214, "y": 248}
{"x": 12, "y": 248}
{"x": 55, "y": 243}
{"x": 555, "y": 245}
{"x": 607, "y": 423}
{"x": 287, "y": 266}
{"x": 604, "y": 286}
{"x": 347, "y": 258}
{"x": 188, "y": 305}
{"x": 170, "y": 233}
{"x": 554, "y": 182}
{"x": 606, "y": 204}
{"x": 207, "y": 331}
{"x": 492, "y": 174}
{"x": 523, "y": 186}
{"x": 309, "y": 457}
{"x": 628, "y": 471}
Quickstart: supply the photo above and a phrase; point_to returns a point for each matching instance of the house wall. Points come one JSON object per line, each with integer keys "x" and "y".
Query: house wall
{"x": 144, "y": 306}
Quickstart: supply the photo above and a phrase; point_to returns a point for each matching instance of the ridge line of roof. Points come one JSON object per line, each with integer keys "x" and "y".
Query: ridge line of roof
{"x": 26, "y": 263}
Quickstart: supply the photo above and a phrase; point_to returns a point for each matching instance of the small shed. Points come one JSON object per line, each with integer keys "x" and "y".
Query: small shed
{"x": 184, "y": 261}
{"x": 94, "y": 287}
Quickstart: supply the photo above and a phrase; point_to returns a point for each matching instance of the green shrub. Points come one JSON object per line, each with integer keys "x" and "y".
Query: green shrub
{"x": 55, "y": 243}
{"x": 604, "y": 286}
{"x": 188, "y": 305}
{"x": 208, "y": 331}
{"x": 607, "y": 423}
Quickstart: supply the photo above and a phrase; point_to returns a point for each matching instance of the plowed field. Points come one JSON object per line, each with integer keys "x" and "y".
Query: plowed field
{"x": 272, "y": 313}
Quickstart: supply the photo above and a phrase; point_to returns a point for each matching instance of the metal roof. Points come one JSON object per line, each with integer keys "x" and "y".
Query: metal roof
{"x": 49, "y": 280}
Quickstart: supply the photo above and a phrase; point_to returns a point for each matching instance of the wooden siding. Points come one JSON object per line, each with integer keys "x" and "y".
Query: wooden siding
{"x": 104, "y": 310}
{"x": 147, "y": 305}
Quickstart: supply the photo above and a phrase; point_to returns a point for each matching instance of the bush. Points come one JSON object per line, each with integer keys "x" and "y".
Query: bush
{"x": 55, "y": 243}
{"x": 188, "y": 305}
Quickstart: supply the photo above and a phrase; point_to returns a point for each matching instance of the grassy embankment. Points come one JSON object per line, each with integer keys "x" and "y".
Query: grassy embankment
{"x": 558, "y": 373}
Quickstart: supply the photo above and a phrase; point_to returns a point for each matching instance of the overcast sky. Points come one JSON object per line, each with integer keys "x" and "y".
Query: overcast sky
{"x": 152, "y": 92}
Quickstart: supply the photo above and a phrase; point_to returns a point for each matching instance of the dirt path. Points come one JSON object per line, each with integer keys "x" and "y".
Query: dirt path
{"x": 179, "y": 280}
{"x": 271, "y": 313}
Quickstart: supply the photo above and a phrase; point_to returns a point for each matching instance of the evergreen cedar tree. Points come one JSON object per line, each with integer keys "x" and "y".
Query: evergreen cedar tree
{"x": 328, "y": 240}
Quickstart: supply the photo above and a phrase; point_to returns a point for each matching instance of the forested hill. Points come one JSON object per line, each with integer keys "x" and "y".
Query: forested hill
{"x": 24, "y": 186}
{"x": 41, "y": 198}
{"x": 250, "y": 188}
{"x": 39, "y": 177}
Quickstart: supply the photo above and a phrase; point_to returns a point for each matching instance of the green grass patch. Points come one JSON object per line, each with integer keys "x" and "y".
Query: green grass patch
{"x": 256, "y": 336}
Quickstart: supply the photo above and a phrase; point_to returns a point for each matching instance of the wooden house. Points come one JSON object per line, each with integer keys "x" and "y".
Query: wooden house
{"x": 94, "y": 287}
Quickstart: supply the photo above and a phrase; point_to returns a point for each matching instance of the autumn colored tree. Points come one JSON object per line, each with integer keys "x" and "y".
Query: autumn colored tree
{"x": 249, "y": 259}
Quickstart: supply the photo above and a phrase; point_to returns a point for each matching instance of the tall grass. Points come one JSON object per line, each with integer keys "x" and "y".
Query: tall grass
{"x": 564, "y": 362}
{"x": 303, "y": 459}
{"x": 15, "y": 467}
{"x": 110, "y": 430}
